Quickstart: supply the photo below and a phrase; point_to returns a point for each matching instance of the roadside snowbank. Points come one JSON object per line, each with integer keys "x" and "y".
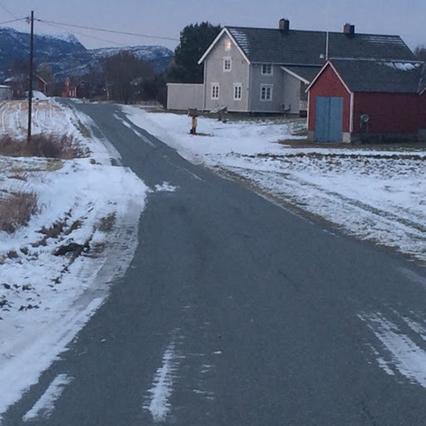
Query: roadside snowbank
{"x": 234, "y": 137}
{"x": 377, "y": 195}
{"x": 54, "y": 273}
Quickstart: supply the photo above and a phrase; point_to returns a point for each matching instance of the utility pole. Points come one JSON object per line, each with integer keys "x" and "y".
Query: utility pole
{"x": 30, "y": 86}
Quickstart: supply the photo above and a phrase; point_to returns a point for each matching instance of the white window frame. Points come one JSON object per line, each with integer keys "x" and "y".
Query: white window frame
{"x": 227, "y": 44}
{"x": 225, "y": 60}
{"x": 262, "y": 69}
{"x": 215, "y": 91}
{"x": 238, "y": 89}
{"x": 266, "y": 86}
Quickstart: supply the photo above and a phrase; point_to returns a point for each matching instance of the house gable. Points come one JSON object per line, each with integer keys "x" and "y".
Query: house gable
{"x": 328, "y": 83}
{"x": 329, "y": 65}
{"x": 220, "y": 37}
{"x": 226, "y": 69}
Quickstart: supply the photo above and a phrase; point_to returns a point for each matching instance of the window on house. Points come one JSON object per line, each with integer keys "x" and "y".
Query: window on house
{"x": 266, "y": 92}
{"x": 215, "y": 90}
{"x": 228, "y": 44}
{"x": 227, "y": 64}
{"x": 238, "y": 91}
{"x": 267, "y": 69}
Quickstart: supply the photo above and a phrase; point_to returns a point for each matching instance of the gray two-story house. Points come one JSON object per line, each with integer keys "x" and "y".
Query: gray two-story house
{"x": 264, "y": 70}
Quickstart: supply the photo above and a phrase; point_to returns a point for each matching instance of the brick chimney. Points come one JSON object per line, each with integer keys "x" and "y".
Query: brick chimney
{"x": 349, "y": 30}
{"x": 284, "y": 25}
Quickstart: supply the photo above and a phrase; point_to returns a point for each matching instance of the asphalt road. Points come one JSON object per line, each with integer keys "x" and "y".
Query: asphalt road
{"x": 259, "y": 307}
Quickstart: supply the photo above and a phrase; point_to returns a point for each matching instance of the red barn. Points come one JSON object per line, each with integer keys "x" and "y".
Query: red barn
{"x": 354, "y": 100}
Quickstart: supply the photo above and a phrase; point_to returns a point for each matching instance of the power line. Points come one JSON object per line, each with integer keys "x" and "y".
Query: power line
{"x": 12, "y": 21}
{"x": 2, "y": 6}
{"x": 105, "y": 30}
{"x": 86, "y": 35}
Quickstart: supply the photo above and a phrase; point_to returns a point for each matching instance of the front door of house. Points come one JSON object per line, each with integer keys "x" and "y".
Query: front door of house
{"x": 329, "y": 119}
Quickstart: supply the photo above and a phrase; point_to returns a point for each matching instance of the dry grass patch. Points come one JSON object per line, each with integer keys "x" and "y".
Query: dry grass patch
{"x": 49, "y": 146}
{"x": 106, "y": 224}
{"x": 16, "y": 210}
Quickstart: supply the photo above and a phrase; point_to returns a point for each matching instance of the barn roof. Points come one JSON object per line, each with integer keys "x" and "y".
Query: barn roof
{"x": 267, "y": 45}
{"x": 306, "y": 74}
{"x": 380, "y": 76}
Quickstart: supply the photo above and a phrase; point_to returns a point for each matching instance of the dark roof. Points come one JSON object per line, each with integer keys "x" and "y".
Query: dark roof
{"x": 306, "y": 47}
{"x": 379, "y": 76}
{"x": 307, "y": 73}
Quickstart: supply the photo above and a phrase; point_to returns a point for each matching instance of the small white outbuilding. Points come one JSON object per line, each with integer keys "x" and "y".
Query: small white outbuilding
{"x": 6, "y": 93}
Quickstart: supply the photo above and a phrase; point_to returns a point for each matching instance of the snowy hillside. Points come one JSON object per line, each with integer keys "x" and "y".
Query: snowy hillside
{"x": 143, "y": 52}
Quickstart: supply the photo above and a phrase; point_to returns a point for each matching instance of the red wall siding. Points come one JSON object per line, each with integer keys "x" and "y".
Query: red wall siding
{"x": 329, "y": 84}
{"x": 422, "y": 111}
{"x": 389, "y": 112}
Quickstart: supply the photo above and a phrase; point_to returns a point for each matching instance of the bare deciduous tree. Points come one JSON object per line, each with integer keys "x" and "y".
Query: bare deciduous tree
{"x": 125, "y": 76}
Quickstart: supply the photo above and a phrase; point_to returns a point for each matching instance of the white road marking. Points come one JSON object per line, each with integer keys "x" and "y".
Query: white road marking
{"x": 44, "y": 407}
{"x": 158, "y": 403}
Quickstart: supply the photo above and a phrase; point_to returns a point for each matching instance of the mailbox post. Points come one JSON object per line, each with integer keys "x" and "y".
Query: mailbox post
{"x": 193, "y": 113}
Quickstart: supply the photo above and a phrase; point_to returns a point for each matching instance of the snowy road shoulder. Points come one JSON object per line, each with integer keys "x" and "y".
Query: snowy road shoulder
{"x": 56, "y": 270}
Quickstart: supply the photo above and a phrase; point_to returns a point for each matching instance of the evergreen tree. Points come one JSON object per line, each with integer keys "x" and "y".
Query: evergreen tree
{"x": 420, "y": 53}
{"x": 194, "y": 41}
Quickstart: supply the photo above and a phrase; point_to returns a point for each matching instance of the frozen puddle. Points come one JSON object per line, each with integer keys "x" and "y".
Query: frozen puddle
{"x": 44, "y": 407}
{"x": 401, "y": 354}
{"x": 158, "y": 403}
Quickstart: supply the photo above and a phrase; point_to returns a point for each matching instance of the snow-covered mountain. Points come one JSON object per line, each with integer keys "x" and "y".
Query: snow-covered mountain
{"x": 66, "y": 55}
{"x": 159, "y": 56}
{"x": 143, "y": 52}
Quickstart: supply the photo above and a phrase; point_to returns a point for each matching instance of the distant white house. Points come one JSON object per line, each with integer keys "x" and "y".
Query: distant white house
{"x": 267, "y": 70}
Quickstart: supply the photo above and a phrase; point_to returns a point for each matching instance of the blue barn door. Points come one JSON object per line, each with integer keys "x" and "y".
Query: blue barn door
{"x": 329, "y": 119}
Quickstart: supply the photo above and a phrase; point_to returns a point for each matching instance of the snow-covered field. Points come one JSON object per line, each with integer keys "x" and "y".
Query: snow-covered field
{"x": 378, "y": 195}
{"x": 54, "y": 272}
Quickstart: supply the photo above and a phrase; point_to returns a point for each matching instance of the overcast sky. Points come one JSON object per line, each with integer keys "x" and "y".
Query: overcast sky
{"x": 168, "y": 17}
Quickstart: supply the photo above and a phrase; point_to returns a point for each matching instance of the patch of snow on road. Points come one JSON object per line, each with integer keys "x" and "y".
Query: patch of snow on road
{"x": 44, "y": 407}
{"x": 165, "y": 187}
{"x": 373, "y": 194}
{"x": 136, "y": 132}
{"x": 159, "y": 401}
{"x": 401, "y": 353}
